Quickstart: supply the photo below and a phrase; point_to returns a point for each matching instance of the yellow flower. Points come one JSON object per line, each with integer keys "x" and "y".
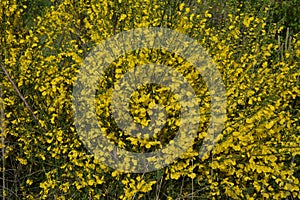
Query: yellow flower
{"x": 22, "y": 161}
{"x": 181, "y": 6}
{"x": 123, "y": 16}
{"x": 207, "y": 14}
{"x": 247, "y": 21}
{"x": 29, "y": 181}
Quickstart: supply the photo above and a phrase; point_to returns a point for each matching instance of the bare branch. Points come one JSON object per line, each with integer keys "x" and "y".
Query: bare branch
{"x": 19, "y": 93}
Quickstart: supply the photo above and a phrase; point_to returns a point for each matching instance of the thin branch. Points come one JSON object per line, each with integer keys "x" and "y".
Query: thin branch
{"x": 192, "y": 181}
{"x": 158, "y": 187}
{"x": 19, "y": 93}
{"x": 2, "y": 141}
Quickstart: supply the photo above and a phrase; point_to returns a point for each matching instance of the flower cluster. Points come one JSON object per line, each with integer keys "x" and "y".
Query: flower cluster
{"x": 256, "y": 155}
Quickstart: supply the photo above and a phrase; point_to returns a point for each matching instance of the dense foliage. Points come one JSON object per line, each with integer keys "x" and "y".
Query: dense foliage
{"x": 255, "y": 46}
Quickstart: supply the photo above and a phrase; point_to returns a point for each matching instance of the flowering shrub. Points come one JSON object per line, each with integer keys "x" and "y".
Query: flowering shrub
{"x": 257, "y": 153}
